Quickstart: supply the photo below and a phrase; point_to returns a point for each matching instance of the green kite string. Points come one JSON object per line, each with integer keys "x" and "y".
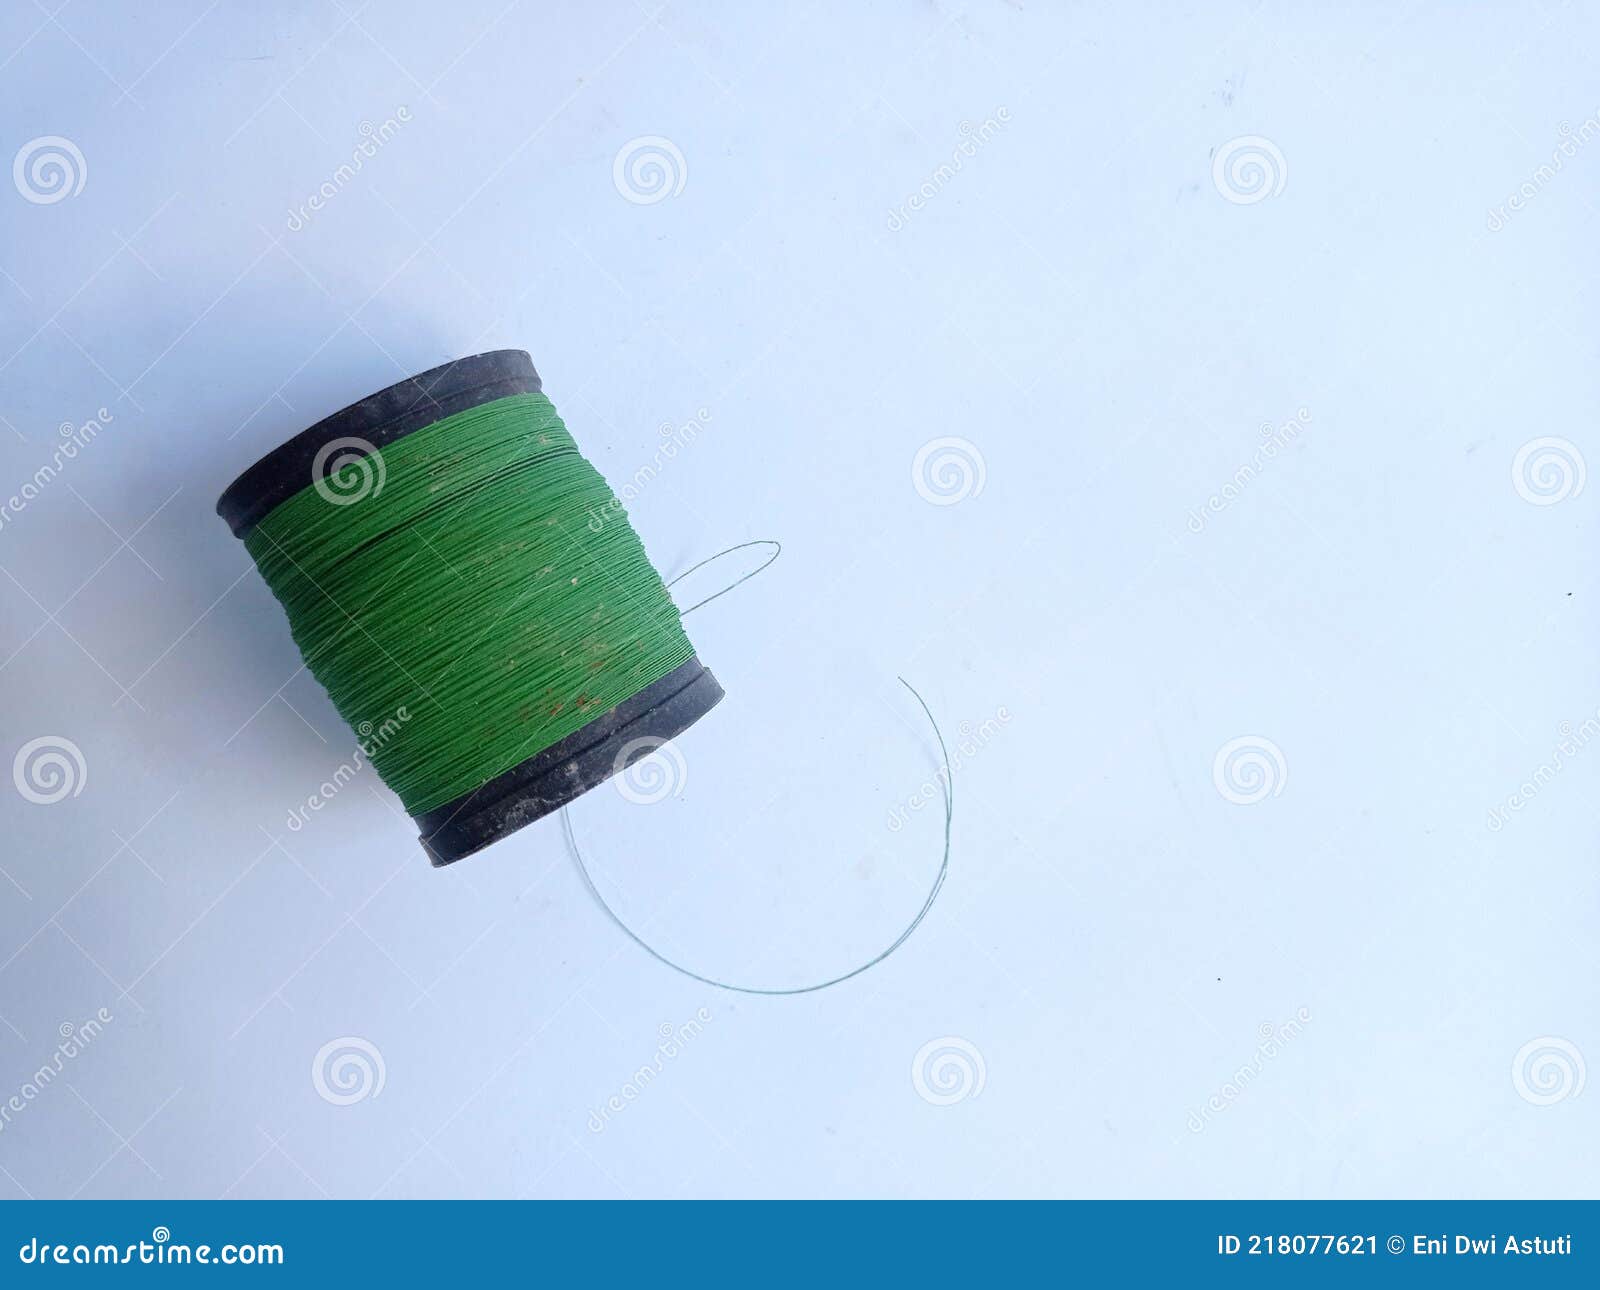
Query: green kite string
{"x": 477, "y": 581}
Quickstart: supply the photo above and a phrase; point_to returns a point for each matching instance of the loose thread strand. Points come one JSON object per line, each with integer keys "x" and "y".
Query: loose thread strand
{"x": 927, "y": 904}
{"x": 777, "y": 550}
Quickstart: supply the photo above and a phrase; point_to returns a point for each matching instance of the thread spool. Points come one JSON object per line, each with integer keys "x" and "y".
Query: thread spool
{"x": 580, "y": 760}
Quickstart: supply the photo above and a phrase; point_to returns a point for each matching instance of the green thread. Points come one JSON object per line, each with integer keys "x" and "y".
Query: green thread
{"x": 473, "y": 587}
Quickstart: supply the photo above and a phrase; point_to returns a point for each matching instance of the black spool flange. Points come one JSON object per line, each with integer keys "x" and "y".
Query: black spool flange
{"x": 572, "y": 766}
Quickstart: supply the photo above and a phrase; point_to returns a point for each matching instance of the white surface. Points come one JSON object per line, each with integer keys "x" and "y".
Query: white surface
{"x": 1081, "y": 302}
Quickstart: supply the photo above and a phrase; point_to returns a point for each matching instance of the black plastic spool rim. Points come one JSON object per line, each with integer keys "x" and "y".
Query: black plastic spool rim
{"x": 572, "y": 766}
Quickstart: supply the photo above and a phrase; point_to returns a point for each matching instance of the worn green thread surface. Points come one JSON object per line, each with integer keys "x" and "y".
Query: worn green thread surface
{"x": 470, "y": 589}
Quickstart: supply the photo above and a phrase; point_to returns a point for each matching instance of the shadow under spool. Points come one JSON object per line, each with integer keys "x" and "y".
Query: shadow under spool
{"x": 573, "y": 765}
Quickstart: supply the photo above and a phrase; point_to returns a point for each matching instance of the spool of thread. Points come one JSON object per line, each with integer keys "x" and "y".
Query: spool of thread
{"x": 564, "y": 702}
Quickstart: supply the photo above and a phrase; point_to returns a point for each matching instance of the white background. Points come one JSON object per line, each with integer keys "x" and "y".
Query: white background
{"x": 1106, "y": 323}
